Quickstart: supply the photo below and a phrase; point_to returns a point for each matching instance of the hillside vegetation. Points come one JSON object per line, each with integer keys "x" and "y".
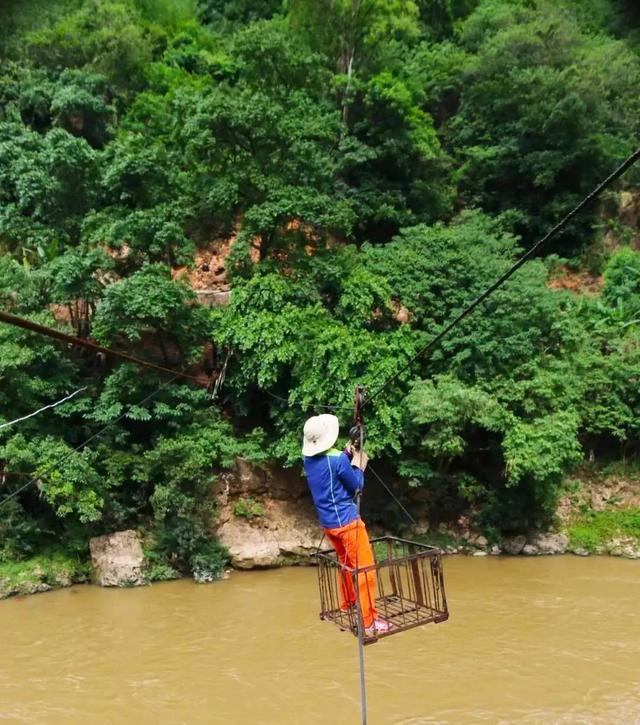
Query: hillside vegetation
{"x": 377, "y": 164}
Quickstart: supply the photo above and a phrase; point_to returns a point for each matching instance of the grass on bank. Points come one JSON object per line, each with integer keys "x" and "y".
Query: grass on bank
{"x": 592, "y": 530}
{"x": 41, "y": 573}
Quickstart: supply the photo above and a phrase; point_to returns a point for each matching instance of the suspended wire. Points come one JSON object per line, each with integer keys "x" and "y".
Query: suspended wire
{"x": 46, "y": 407}
{"x": 393, "y": 496}
{"x": 360, "y": 621}
{"x": 72, "y": 340}
{"x": 592, "y": 196}
{"x": 624, "y": 166}
{"x": 84, "y": 443}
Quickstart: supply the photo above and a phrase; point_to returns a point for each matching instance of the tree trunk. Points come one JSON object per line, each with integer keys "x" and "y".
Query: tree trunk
{"x": 347, "y": 90}
{"x": 163, "y": 348}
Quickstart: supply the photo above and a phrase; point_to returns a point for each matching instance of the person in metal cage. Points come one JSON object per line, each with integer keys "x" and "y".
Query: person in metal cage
{"x": 335, "y": 478}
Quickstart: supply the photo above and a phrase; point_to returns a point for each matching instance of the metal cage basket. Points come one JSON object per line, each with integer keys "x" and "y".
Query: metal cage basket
{"x": 409, "y": 586}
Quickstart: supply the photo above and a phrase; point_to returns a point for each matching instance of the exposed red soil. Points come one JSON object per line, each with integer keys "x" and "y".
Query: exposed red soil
{"x": 209, "y": 271}
{"x": 578, "y": 282}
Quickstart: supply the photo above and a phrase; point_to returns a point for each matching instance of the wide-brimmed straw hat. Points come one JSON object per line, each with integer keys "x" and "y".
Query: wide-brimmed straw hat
{"x": 320, "y": 433}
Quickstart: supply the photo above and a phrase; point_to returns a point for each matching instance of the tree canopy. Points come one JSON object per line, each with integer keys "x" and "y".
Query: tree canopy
{"x": 373, "y": 166}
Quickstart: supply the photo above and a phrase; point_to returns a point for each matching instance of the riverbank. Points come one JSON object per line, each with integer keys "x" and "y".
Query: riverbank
{"x": 265, "y": 520}
{"x": 43, "y": 573}
{"x": 599, "y": 514}
{"x": 55, "y": 571}
{"x": 599, "y": 533}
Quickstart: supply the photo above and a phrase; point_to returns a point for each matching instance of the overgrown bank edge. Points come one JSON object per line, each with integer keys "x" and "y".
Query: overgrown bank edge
{"x": 41, "y": 574}
{"x": 614, "y": 532}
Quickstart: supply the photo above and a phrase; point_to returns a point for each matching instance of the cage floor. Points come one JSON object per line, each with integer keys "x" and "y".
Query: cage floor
{"x": 401, "y": 613}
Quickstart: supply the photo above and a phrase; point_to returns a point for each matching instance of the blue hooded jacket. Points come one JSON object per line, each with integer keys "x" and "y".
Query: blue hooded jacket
{"x": 333, "y": 483}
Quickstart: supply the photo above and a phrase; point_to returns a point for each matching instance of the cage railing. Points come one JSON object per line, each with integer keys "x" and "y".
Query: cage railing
{"x": 409, "y": 586}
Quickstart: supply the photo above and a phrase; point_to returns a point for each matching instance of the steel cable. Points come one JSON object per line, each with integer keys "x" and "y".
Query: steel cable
{"x": 32, "y": 326}
{"x": 45, "y": 407}
{"x": 624, "y": 166}
{"x": 84, "y": 443}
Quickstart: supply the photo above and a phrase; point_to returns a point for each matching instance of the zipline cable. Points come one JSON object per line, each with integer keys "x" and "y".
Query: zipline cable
{"x": 72, "y": 340}
{"x": 46, "y": 407}
{"x": 84, "y": 443}
{"x": 360, "y": 622}
{"x": 393, "y": 496}
{"x": 592, "y": 196}
{"x": 624, "y": 166}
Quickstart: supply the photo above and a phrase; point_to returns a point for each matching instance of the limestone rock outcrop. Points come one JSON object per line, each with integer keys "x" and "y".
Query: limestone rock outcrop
{"x": 551, "y": 543}
{"x": 283, "y": 529}
{"x": 580, "y": 551}
{"x": 284, "y": 533}
{"x": 530, "y": 550}
{"x": 514, "y": 545}
{"x": 625, "y": 546}
{"x": 117, "y": 559}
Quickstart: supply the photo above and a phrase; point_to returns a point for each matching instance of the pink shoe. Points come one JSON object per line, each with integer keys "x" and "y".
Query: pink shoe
{"x": 379, "y": 626}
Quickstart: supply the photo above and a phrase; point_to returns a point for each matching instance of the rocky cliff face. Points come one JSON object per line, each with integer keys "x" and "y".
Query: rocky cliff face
{"x": 266, "y": 517}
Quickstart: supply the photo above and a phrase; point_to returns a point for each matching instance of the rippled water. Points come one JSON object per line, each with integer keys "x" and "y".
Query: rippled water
{"x": 543, "y": 640}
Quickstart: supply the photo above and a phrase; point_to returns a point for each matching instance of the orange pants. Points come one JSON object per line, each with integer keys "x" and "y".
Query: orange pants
{"x": 351, "y": 543}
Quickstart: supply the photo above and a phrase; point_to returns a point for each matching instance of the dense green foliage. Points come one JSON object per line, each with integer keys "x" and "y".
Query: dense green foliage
{"x": 378, "y": 164}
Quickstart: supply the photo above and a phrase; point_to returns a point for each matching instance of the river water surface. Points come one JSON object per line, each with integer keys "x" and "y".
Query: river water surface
{"x": 530, "y": 640}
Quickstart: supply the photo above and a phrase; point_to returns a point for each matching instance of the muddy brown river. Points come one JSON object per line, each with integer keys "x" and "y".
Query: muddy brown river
{"x": 541, "y": 640}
